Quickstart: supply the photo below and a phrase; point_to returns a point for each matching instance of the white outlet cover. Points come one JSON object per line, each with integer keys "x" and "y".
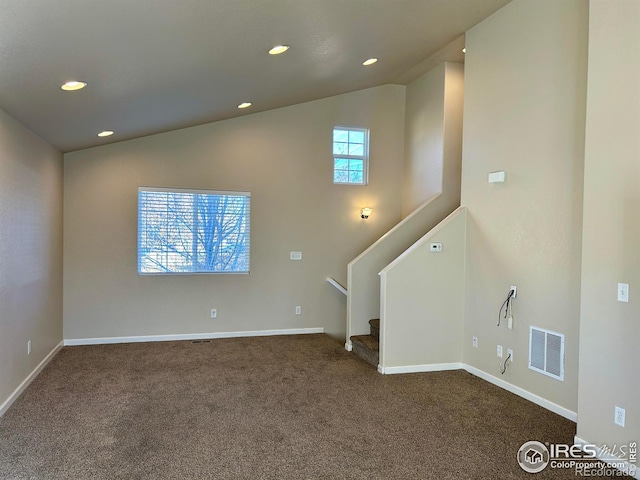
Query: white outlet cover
{"x": 497, "y": 177}
{"x": 510, "y": 354}
{"x": 499, "y": 351}
{"x": 295, "y": 255}
{"x": 619, "y": 416}
{"x": 623, "y": 292}
{"x": 214, "y": 313}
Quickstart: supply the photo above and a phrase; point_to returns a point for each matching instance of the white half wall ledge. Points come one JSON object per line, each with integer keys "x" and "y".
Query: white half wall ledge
{"x": 521, "y": 392}
{"x": 30, "y": 378}
{"x": 630, "y": 469}
{"x": 190, "y": 336}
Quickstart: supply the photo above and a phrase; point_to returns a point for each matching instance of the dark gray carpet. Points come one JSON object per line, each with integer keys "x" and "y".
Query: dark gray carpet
{"x": 296, "y": 407}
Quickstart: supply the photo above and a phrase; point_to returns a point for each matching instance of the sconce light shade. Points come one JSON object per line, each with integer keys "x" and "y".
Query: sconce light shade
{"x": 365, "y": 212}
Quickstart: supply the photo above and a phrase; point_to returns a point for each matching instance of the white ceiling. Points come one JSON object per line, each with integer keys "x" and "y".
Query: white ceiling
{"x": 158, "y": 65}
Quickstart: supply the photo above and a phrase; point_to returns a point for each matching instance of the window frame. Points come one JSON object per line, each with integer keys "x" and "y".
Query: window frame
{"x": 364, "y": 157}
{"x": 190, "y": 191}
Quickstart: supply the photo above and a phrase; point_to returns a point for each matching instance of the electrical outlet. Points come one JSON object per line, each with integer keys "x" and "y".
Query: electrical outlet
{"x": 499, "y": 351}
{"x": 515, "y": 291}
{"x": 298, "y": 310}
{"x": 214, "y": 313}
{"x": 510, "y": 355}
{"x": 295, "y": 255}
{"x": 623, "y": 292}
{"x": 510, "y": 322}
{"x": 28, "y": 347}
{"x": 475, "y": 342}
{"x": 619, "y": 416}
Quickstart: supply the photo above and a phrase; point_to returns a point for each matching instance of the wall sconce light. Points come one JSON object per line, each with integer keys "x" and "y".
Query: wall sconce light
{"x": 365, "y": 212}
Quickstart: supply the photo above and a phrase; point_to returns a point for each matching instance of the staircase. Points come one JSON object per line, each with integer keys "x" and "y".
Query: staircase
{"x": 367, "y": 347}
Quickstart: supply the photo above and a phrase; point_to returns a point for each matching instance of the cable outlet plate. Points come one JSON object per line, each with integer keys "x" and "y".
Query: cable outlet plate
{"x": 474, "y": 342}
{"x": 298, "y": 310}
{"x": 510, "y": 355}
{"x": 214, "y": 313}
{"x": 515, "y": 291}
{"x": 436, "y": 247}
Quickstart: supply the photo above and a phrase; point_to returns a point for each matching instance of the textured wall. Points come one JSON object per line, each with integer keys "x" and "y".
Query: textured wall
{"x": 609, "y": 330}
{"x": 433, "y": 131}
{"x": 422, "y": 316}
{"x": 525, "y": 94}
{"x": 283, "y": 157}
{"x": 30, "y": 251}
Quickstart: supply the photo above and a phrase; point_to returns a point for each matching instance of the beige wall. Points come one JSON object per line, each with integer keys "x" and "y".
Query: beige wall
{"x": 525, "y": 94}
{"x": 421, "y": 312}
{"x": 433, "y": 128}
{"x": 283, "y": 157}
{"x": 432, "y": 159}
{"x": 609, "y": 330}
{"x": 30, "y": 252}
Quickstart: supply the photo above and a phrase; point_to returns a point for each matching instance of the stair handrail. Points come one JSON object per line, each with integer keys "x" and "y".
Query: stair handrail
{"x": 337, "y": 284}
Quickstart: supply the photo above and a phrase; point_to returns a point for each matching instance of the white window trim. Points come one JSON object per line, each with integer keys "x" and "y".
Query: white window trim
{"x": 364, "y": 158}
{"x": 194, "y": 192}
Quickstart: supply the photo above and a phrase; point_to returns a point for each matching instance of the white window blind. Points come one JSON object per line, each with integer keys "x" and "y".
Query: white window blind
{"x": 193, "y": 231}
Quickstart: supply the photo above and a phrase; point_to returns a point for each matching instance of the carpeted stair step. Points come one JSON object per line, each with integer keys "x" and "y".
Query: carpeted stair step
{"x": 367, "y": 348}
{"x": 374, "y": 328}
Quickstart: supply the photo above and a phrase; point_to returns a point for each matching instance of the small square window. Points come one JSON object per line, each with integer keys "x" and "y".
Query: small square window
{"x": 350, "y": 155}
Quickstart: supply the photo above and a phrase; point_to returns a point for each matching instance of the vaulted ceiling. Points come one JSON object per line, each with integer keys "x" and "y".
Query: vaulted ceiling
{"x": 158, "y": 65}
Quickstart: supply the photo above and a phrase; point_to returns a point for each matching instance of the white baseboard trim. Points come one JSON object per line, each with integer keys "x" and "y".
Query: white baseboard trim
{"x": 521, "y": 392}
{"x": 25, "y": 383}
{"x": 629, "y": 468}
{"x": 434, "y": 367}
{"x": 189, "y": 336}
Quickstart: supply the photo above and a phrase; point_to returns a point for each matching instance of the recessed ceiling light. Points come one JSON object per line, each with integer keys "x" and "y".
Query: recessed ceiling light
{"x": 106, "y": 133}
{"x": 244, "y": 105}
{"x": 73, "y": 85}
{"x": 371, "y": 61}
{"x": 278, "y": 49}
{"x": 464, "y": 50}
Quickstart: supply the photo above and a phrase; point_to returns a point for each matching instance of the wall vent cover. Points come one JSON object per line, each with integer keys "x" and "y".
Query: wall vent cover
{"x": 546, "y": 352}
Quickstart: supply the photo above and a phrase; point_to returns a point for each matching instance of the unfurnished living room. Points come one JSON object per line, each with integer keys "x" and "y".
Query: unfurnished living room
{"x": 286, "y": 239}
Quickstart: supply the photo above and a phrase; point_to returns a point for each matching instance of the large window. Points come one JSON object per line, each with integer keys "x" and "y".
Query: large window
{"x": 350, "y": 155}
{"x": 193, "y": 231}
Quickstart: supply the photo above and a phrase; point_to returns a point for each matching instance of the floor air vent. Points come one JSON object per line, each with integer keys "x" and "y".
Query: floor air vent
{"x": 546, "y": 352}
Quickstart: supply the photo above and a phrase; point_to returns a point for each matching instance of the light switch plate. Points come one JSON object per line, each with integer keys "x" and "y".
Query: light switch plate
{"x": 623, "y": 292}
